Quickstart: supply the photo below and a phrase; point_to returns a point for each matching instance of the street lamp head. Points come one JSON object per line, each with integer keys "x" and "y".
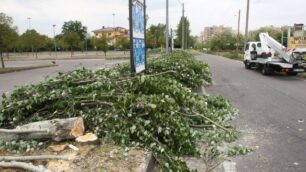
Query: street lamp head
{"x": 54, "y": 25}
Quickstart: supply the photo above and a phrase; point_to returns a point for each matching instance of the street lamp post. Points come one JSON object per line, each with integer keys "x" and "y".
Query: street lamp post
{"x": 29, "y": 19}
{"x": 114, "y": 15}
{"x": 115, "y": 39}
{"x": 55, "y": 49}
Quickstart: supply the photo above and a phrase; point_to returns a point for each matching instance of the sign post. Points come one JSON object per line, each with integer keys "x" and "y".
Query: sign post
{"x": 137, "y": 18}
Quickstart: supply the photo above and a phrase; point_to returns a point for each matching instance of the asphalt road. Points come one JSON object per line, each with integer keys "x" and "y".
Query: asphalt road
{"x": 272, "y": 115}
{"x": 9, "y": 81}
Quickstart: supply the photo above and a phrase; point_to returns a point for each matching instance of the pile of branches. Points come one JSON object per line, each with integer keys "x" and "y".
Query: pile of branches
{"x": 157, "y": 111}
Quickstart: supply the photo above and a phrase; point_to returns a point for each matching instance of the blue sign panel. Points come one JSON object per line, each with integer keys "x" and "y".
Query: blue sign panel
{"x": 137, "y": 29}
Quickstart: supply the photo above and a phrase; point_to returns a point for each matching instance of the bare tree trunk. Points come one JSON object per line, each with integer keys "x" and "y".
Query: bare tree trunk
{"x": 2, "y": 61}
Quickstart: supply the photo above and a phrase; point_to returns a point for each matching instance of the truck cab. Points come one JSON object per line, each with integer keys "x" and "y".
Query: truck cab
{"x": 254, "y": 50}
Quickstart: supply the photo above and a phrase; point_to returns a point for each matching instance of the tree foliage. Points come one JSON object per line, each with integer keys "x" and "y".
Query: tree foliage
{"x": 8, "y": 35}
{"x": 71, "y": 40}
{"x": 225, "y": 40}
{"x": 123, "y": 43}
{"x": 178, "y": 40}
{"x": 75, "y": 26}
{"x": 101, "y": 43}
{"x": 156, "y": 36}
{"x": 32, "y": 39}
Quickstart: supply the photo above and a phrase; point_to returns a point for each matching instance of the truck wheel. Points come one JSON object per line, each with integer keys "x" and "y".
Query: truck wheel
{"x": 247, "y": 64}
{"x": 265, "y": 70}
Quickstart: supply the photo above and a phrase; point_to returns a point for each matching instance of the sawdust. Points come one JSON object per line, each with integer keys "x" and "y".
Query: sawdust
{"x": 93, "y": 158}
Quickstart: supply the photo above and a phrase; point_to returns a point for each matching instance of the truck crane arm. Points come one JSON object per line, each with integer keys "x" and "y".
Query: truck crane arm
{"x": 289, "y": 55}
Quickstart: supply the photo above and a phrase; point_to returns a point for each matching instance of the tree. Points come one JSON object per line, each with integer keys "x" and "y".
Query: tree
{"x": 178, "y": 40}
{"x": 101, "y": 43}
{"x": 123, "y": 43}
{"x": 75, "y": 26}
{"x": 48, "y": 44}
{"x": 32, "y": 39}
{"x": 156, "y": 36}
{"x": 224, "y": 40}
{"x": 71, "y": 40}
{"x": 8, "y": 35}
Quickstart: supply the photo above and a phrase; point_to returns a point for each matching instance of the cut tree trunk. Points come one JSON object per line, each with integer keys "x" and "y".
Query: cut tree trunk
{"x": 57, "y": 130}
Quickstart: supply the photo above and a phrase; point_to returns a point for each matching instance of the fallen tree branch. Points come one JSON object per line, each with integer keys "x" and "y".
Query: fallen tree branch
{"x": 151, "y": 75}
{"x": 95, "y": 103}
{"x": 32, "y": 158}
{"x": 199, "y": 126}
{"x": 211, "y": 121}
{"x": 86, "y": 82}
{"x": 18, "y": 131}
{"x": 25, "y": 166}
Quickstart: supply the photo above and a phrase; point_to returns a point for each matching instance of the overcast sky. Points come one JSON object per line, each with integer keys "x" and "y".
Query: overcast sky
{"x": 97, "y": 13}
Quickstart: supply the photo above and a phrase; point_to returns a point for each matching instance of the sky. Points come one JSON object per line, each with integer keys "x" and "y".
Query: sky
{"x": 201, "y": 13}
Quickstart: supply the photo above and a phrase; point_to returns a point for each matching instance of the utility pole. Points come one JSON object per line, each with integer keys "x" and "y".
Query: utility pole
{"x": 55, "y": 49}
{"x": 172, "y": 40}
{"x": 183, "y": 28}
{"x": 186, "y": 35}
{"x": 167, "y": 26}
{"x": 238, "y": 33}
{"x": 247, "y": 22}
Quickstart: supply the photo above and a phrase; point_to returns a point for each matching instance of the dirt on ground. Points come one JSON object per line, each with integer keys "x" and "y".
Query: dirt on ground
{"x": 93, "y": 158}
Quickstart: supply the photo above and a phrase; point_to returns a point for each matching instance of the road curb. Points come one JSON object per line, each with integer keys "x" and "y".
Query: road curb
{"x": 149, "y": 164}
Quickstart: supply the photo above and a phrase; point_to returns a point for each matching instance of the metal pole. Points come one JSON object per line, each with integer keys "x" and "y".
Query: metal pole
{"x": 238, "y": 33}
{"x": 114, "y": 20}
{"x": 288, "y": 36}
{"x": 247, "y": 22}
{"x": 29, "y": 18}
{"x": 55, "y": 49}
{"x": 183, "y": 32}
{"x": 167, "y": 27}
{"x": 172, "y": 40}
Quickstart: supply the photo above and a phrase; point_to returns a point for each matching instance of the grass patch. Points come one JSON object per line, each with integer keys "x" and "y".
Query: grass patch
{"x": 17, "y": 69}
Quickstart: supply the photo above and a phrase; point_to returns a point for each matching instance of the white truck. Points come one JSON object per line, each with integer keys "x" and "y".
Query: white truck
{"x": 270, "y": 56}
